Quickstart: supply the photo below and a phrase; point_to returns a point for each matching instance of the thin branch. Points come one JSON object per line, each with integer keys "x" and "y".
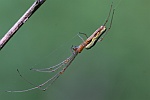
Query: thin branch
{"x": 20, "y": 22}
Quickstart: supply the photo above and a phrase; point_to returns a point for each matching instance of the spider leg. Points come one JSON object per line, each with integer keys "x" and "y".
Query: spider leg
{"x": 81, "y": 37}
{"x": 101, "y": 38}
{"x": 61, "y": 72}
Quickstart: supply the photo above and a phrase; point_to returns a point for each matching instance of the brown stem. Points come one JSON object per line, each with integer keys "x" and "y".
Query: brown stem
{"x": 20, "y": 22}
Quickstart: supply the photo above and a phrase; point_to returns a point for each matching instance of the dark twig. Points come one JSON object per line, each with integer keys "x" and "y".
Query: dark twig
{"x": 20, "y": 22}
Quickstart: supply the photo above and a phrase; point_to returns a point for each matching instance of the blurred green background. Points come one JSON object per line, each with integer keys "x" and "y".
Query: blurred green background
{"x": 115, "y": 69}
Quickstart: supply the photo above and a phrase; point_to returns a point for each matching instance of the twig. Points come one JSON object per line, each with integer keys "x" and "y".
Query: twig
{"x": 20, "y": 22}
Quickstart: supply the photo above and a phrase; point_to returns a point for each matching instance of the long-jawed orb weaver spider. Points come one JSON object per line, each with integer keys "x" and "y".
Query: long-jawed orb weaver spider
{"x": 87, "y": 44}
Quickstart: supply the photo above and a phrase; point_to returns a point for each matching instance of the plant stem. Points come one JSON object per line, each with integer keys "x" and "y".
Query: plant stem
{"x": 20, "y": 22}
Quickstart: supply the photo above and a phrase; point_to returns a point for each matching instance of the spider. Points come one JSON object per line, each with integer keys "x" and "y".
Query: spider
{"x": 87, "y": 44}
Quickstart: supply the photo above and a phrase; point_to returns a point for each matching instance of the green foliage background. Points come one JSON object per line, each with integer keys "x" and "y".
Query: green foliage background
{"x": 118, "y": 68}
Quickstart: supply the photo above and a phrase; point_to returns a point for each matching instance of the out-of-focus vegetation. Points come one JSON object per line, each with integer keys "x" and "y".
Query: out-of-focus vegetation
{"x": 118, "y": 68}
